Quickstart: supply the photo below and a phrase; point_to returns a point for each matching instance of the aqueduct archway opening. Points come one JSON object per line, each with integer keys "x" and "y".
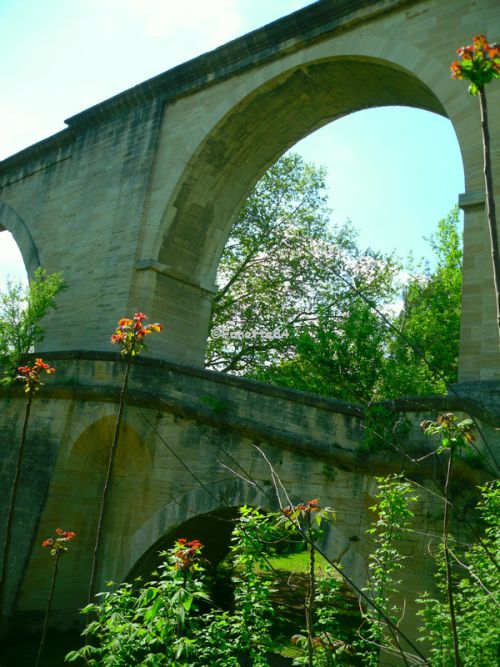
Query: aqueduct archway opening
{"x": 241, "y": 146}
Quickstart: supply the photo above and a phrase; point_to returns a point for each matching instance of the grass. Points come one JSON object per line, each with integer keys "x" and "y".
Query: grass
{"x": 299, "y": 563}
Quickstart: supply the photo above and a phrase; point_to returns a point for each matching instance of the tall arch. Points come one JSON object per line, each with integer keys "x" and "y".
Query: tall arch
{"x": 260, "y": 129}
{"x": 248, "y": 138}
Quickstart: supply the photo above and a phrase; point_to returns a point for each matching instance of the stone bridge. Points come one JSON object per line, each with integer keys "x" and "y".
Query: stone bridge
{"x": 197, "y": 444}
{"x": 134, "y": 202}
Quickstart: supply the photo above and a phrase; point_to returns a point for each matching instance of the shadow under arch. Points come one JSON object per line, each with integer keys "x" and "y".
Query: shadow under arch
{"x": 13, "y": 223}
{"x": 216, "y": 502}
{"x": 208, "y": 514}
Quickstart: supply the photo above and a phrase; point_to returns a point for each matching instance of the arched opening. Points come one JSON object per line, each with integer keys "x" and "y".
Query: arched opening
{"x": 293, "y": 281}
{"x": 237, "y": 152}
{"x": 263, "y": 127}
{"x": 277, "y": 557}
{"x": 213, "y": 530}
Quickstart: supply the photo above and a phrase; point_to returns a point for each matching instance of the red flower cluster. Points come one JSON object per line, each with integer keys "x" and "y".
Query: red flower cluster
{"x": 130, "y": 333}
{"x": 57, "y": 545}
{"x": 187, "y": 553}
{"x": 309, "y": 506}
{"x": 480, "y": 63}
{"x": 30, "y": 375}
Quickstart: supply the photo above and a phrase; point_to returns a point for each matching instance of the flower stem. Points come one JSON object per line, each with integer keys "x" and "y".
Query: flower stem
{"x": 107, "y": 482}
{"x": 310, "y": 601}
{"x": 490, "y": 199}
{"x": 10, "y": 515}
{"x": 47, "y": 611}
{"x": 449, "y": 583}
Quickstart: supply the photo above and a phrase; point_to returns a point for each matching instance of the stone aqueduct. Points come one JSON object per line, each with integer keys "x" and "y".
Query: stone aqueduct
{"x": 133, "y": 202}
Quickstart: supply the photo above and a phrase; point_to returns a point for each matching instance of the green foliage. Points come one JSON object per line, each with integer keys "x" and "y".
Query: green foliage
{"x": 343, "y": 359}
{"x": 254, "y": 611}
{"x": 455, "y": 434}
{"x": 166, "y": 621}
{"x": 429, "y": 320}
{"x": 322, "y": 642}
{"x": 476, "y": 586}
{"x": 21, "y": 310}
{"x": 393, "y": 518}
{"x": 162, "y": 622}
{"x": 149, "y": 625}
{"x": 289, "y": 308}
{"x": 284, "y": 312}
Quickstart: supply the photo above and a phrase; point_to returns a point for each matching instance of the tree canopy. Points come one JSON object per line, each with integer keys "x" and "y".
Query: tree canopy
{"x": 424, "y": 357}
{"x": 300, "y": 303}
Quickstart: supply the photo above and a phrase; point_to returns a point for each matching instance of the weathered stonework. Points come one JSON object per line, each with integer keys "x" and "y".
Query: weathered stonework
{"x": 134, "y": 202}
{"x": 188, "y": 449}
{"x": 135, "y": 199}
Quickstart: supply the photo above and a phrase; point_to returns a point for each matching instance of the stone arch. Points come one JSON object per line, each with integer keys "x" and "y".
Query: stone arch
{"x": 13, "y": 223}
{"x": 245, "y": 142}
{"x": 216, "y": 500}
{"x": 88, "y": 458}
{"x": 74, "y": 494}
{"x": 239, "y": 150}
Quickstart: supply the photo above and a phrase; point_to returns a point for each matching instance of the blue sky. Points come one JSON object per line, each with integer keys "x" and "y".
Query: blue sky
{"x": 393, "y": 172}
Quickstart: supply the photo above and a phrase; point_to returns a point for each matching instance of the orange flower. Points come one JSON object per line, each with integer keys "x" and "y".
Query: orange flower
{"x": 480, "y": 42}
{"x": 58, "y": 545}
{"x": 480, "y": 63}
{"x": 130, "y": 333}
{"x": 30, "y": 375}
{"x": 456, "y": 70}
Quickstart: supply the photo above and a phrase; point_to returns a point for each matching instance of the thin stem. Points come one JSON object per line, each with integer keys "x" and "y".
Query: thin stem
{"x": 107, "y": 482}
{"x": 310, "y": 601}
{"x": 490, "y": 199}
{"x": 12, "y": 505}
{"x": 47, "y": 611}
{"x": 449, "y": 586}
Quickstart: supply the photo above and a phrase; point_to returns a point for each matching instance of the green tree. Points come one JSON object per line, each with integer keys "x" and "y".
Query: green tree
{"x": 342, "y": 358}
{"x": 285, "y": 283}
{"x": 423, "y": 354}
{"x": 21, "y": 310}
{"x": 300, "y": 304}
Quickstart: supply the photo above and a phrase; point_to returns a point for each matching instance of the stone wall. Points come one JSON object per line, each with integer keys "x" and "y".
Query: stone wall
{"x": 193, "y": 444}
